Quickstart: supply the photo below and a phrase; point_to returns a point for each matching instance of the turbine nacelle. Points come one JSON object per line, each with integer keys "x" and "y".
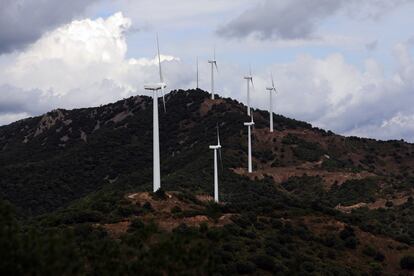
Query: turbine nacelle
{"x": 214, "y": 64}
{"x": 251, "y": 123}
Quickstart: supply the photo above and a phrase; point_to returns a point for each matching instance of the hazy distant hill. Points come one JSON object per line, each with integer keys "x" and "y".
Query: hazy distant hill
{"x": 317, "y": 203}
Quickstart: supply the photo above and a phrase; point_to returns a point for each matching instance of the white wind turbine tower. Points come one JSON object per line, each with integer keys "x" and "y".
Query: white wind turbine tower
{"x": 213, "y": 64}
{"x": 271, "y": 90}
{"x": 249, "y": 141}
{"x": 197, "y": 74}
{"x": 155, "y": 87}
{"x": 216, "y": 148}
{"x": 249, "y": 80}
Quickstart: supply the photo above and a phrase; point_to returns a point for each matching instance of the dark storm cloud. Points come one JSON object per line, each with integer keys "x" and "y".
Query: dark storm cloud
{"x": 298, "y": 19}
{"x": 291, "y": 19}
{"x": 24, "y": 21}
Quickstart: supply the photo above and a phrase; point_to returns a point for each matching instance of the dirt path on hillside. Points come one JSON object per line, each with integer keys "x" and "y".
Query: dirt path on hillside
{"x": 282, "y": 174}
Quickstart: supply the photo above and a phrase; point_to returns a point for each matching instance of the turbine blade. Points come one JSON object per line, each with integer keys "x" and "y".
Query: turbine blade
{"x": 253, "y": 126}
{"x": 163, "y": 98}
{"x": 159, "y": 60}
{"x": 215, "y": 63}
{"x": 214, "y": 53}
{"x": 273, "y": 82}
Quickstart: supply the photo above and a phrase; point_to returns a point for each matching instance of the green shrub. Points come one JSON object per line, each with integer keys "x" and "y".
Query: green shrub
{"x": 136, "y": 224}
{"x": 369, "y": 251}
{"x": 265, "y": 262}
{"x": 203, "y": 227}
{"x": 375, "y": 269}
{"x": 351, "y": 242}
{"x": 176, "y": 209}
{"x": 308, "y": 267}
{"x": 379, "y": 256}
{"x": 347, "y": 232}
{"x": 407, "y": 262}
{"x": 245, "y": 267}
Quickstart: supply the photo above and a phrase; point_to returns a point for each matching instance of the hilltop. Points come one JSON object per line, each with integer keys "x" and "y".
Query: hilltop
{"x": 317, "y": 202}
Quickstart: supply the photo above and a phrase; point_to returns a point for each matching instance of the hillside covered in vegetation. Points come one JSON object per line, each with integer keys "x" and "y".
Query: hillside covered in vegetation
{"x": 75, "y": 195}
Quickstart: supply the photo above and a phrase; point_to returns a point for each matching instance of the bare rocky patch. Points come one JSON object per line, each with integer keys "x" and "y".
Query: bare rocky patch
{"x": 169, "y": 213}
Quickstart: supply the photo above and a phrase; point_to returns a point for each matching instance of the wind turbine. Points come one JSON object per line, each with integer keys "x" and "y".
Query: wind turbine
{"x": 213, "y": 64}
{"x": 249, "y": 80}
{"x": 197, "y": 75}
{"x": 249, "y": 141}
{"x": 271, "y": 90}
{"x": 216, "y": 148}
{"x": 154, "y": 87}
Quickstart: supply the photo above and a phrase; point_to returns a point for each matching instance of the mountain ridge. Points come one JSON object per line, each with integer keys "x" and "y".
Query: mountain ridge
{"x": 316, "y": 202}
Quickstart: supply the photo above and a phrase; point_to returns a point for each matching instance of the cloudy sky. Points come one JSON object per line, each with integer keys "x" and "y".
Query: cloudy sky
{"x": 343, "y": 65}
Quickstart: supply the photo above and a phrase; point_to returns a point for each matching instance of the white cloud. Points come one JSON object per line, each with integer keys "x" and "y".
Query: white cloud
{"x": 78, "y": 64}
{"x": 397, "y": 127}
{"x": 84, "y": 63}
{"x": 6, "y": 118}
{"x": 65, "y": 58}
{"x": 333, "y": 94}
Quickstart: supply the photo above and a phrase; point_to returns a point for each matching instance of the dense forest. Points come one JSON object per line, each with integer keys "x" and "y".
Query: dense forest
{"x": 75, "y": 195}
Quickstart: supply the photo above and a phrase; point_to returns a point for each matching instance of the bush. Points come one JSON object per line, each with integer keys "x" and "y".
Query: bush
{"x": 372, "y": 252}
{"x": 369, "y": 251}
{"x": 379, "y": 257}
{"x": 245, "y": 267}
{"x": 351, "y": 242}
{"x": 176, "y": 209}
{"x": 264, "y": 262}
{"x": 136, "y": 224}
{"x": 375, "y": 269}
{"x": 330, "y": 240}
{"x": 308, "y": 267}
{"x": 203, "y": 227}
{"x": 407, "y": 262}
{"x": 147, "y": 206}
{"x": 347, "y": 232}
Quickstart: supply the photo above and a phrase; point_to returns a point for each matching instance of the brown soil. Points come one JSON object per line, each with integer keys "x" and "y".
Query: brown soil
{"x": 399, "y": 199}
{"x": 282, "y": 174}
{"x": 116, "y": 229}
{"x": 167, "y": 220}
{"x": 204, "y": 198}
{"x": 208, "y": 104}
